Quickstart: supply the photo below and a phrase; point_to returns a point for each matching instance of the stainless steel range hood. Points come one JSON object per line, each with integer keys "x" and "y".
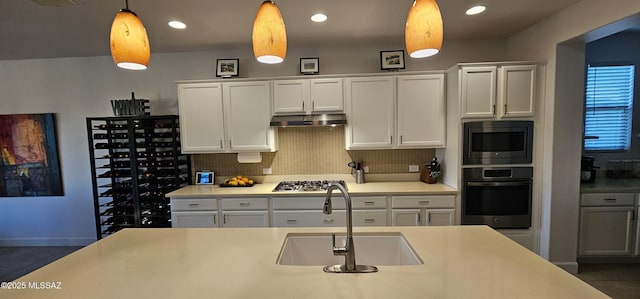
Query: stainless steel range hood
{"x": 309, "y": 120}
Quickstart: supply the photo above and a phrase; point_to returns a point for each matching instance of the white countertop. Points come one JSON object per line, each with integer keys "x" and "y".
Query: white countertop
{"x": 459, "y": 262}
{"x": 266, "y": 189}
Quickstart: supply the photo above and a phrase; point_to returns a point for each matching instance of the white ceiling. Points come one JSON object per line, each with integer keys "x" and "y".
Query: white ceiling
{"x": 81, "y": 27}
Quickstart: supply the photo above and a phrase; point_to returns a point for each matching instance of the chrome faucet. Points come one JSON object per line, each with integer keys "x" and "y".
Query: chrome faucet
{"x": 348, "y": 251}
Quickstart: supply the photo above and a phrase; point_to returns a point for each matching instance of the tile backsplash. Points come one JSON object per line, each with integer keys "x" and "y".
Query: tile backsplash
{"x": 314, "y": 150}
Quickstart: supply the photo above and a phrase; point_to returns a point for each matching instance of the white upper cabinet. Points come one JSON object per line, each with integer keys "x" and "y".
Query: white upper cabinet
{"x": 225, "y": 117}
{"x": 370, "y": 112}
{"x": 326, "y": 95}
{"x": 201, "y": 117}
{"x": 247, "y": 115}
{"x": 308, "y": 96}
{"x": 290, "y": 96}
{"x": 421, "y": 111}
{"x": 498, "y": 91}
{"x": 517, "y": 90}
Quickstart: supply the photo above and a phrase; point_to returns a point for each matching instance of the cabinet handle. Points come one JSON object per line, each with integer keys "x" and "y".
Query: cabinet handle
{"x": 313, "y": 105}
{"x": 194, "y": 205}
{"x": 423, "y": 202}
{"x": 215, "y": 222}
{"x": 369, "y": 220}
{"x": 224, "y": 219}
{"x": 230, "y": 146}
{"x": 494, "y": 109}
{"x": 302, "y": 105}
{"x": 610, "y": 199}
{"x": 505, "y": 110}
{"x": 244, "y": 204}
{"x": 291, "y": 221}
{"x": 369, "y": 203}
{"x": 633, "y": 215}
{"x": 328, "y": 220}
{"x": 391, "y": 139}
{"x": 220, "y": 143}
{"x": 400, "y": 139}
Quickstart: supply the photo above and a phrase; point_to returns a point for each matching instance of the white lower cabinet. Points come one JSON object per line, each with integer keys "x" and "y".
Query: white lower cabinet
{"x": 200, "y": 212}
{"x": 245, "y": 212}
{"x": 307, "y": 211}
{"x": 430, "y": 210}
{"x": 607, "y": 224}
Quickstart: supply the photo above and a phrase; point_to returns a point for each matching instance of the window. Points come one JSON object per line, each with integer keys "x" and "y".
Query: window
{"x": 608, "y": 108}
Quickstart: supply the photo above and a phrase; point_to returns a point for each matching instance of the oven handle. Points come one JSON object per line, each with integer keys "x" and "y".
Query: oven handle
{"x": 498, "y": 184}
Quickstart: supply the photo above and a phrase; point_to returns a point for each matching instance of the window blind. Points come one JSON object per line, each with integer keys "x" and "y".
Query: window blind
{"x": 608, "y": 108}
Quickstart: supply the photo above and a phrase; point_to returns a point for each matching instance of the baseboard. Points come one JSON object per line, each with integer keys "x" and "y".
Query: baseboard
{"x": 14, "y": 242}
{"x": 571, "y": 267}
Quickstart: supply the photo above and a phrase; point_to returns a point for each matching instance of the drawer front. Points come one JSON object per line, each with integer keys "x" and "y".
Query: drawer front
{"x": 199, "y": 204}
{"x": 306, "y": 203}
{"x": 370, "y": 218}
{"x": 423, "y": 201}
{"x": 245, "y": 204}
{"x": 368, "y": 202}
{"x": 607, "y": 199}
{"x": 308, "y": 218}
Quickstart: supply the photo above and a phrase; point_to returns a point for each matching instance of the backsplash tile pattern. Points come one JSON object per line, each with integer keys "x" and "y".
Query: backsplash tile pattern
{"x": 314, "y": 150}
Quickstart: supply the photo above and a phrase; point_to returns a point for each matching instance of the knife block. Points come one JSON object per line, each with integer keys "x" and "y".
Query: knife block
{"x": 425, "y": 177}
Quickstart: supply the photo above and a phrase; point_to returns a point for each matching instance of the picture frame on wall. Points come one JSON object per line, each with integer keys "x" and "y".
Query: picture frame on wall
{"x": 227, "y": 68}
{"x": 392, "y": 60}
{"x": 309, "y": 65}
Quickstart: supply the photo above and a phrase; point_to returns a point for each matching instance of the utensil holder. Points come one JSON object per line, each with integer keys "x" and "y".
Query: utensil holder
{"x": 359, "y": 176}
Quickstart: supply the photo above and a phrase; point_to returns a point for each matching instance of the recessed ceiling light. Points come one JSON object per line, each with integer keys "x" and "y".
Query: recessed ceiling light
{"x": 177, "y": 25}
{"x": 476, "y": 10}
{"x": 319, "y": 17}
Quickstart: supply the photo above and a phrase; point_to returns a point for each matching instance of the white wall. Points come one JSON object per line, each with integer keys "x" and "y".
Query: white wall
{"x": 77, "y": 88}
{"x": 540, "y": 42}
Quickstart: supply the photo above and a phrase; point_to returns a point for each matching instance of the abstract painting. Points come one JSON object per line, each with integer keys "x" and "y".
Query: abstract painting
{"x": 29, "y": 156}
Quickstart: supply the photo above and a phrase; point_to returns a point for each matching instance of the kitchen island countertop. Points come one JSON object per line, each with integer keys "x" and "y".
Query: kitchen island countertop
{"x": 459, "y": 262}
{"x": 610, "y": 185}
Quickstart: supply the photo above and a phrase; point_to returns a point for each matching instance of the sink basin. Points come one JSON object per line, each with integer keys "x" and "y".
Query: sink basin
{"x": 378, "y": 249}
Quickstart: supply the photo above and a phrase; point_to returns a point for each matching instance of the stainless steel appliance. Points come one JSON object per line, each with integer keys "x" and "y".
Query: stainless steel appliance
{"x": 497, "y": 142}
{"x": 293, "y": 186}
{"x": 498, "y": 197}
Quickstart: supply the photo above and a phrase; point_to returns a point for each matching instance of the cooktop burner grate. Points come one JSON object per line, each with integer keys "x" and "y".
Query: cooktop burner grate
{"x": 306, "y": 185}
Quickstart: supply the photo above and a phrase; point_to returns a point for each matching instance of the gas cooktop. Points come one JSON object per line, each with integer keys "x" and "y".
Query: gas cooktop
{"x": 306, "y": 185}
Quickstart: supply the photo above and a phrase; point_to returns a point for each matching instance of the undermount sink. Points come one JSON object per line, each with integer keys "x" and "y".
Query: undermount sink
{"x": 379, "y": 249}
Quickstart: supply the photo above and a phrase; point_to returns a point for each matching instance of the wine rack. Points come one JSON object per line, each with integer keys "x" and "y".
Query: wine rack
{"x": 135, "y": 161}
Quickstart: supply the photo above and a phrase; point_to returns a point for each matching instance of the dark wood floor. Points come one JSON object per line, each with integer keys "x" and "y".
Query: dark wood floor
{"x": 620, "y": 281}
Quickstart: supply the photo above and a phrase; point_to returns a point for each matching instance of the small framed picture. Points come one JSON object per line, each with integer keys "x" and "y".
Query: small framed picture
{"x": 204, "y": 177}
{"x": 392, "y": 60}
{"x": 227, "y": 68}
{"x": 309, "y": 65}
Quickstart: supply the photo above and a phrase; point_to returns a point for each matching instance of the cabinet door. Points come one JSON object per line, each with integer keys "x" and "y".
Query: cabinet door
{"x": 290, "y": 96}
{"x": 478, "y": 92}
{"x": 440, "y": 217}
{"x": 326, "y": 95}
{"x": 245, "y": 219}
{"x": 370, "y": 112}
{"x": 247, "y": 115}
{"x": 605, "y": 231}
{"x": 194, "y": 219}
{"x": 405, "y": 217}
{"x": 201, "y": 117}
{"x": 517, "y": 90}
{"x": 421, "y": 111}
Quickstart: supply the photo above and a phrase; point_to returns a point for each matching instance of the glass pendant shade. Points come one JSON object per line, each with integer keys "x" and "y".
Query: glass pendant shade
{"x": 129, "y": 41}
{"x": 423, "y": 34}
{"x": 269, "y": 35}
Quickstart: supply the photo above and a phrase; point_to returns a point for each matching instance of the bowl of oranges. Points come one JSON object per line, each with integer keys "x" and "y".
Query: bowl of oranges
{"x": 237, "y": 181}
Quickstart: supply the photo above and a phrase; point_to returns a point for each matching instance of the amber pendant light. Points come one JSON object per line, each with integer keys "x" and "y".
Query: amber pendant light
{"x": 129, "y": 41}
{"x": 269, "y": 34}
{"x": 423, "y": 34}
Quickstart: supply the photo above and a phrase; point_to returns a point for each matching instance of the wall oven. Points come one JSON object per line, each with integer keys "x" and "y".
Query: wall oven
{"x": 498, "y": 197}
{"x": 497, "y": 142}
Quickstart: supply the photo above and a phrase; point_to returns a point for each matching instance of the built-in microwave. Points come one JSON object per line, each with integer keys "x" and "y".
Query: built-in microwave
{"x": 497, "y": 142}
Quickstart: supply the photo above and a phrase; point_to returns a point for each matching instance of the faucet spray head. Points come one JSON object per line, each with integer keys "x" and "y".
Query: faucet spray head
{"x": 327, "y": 206}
